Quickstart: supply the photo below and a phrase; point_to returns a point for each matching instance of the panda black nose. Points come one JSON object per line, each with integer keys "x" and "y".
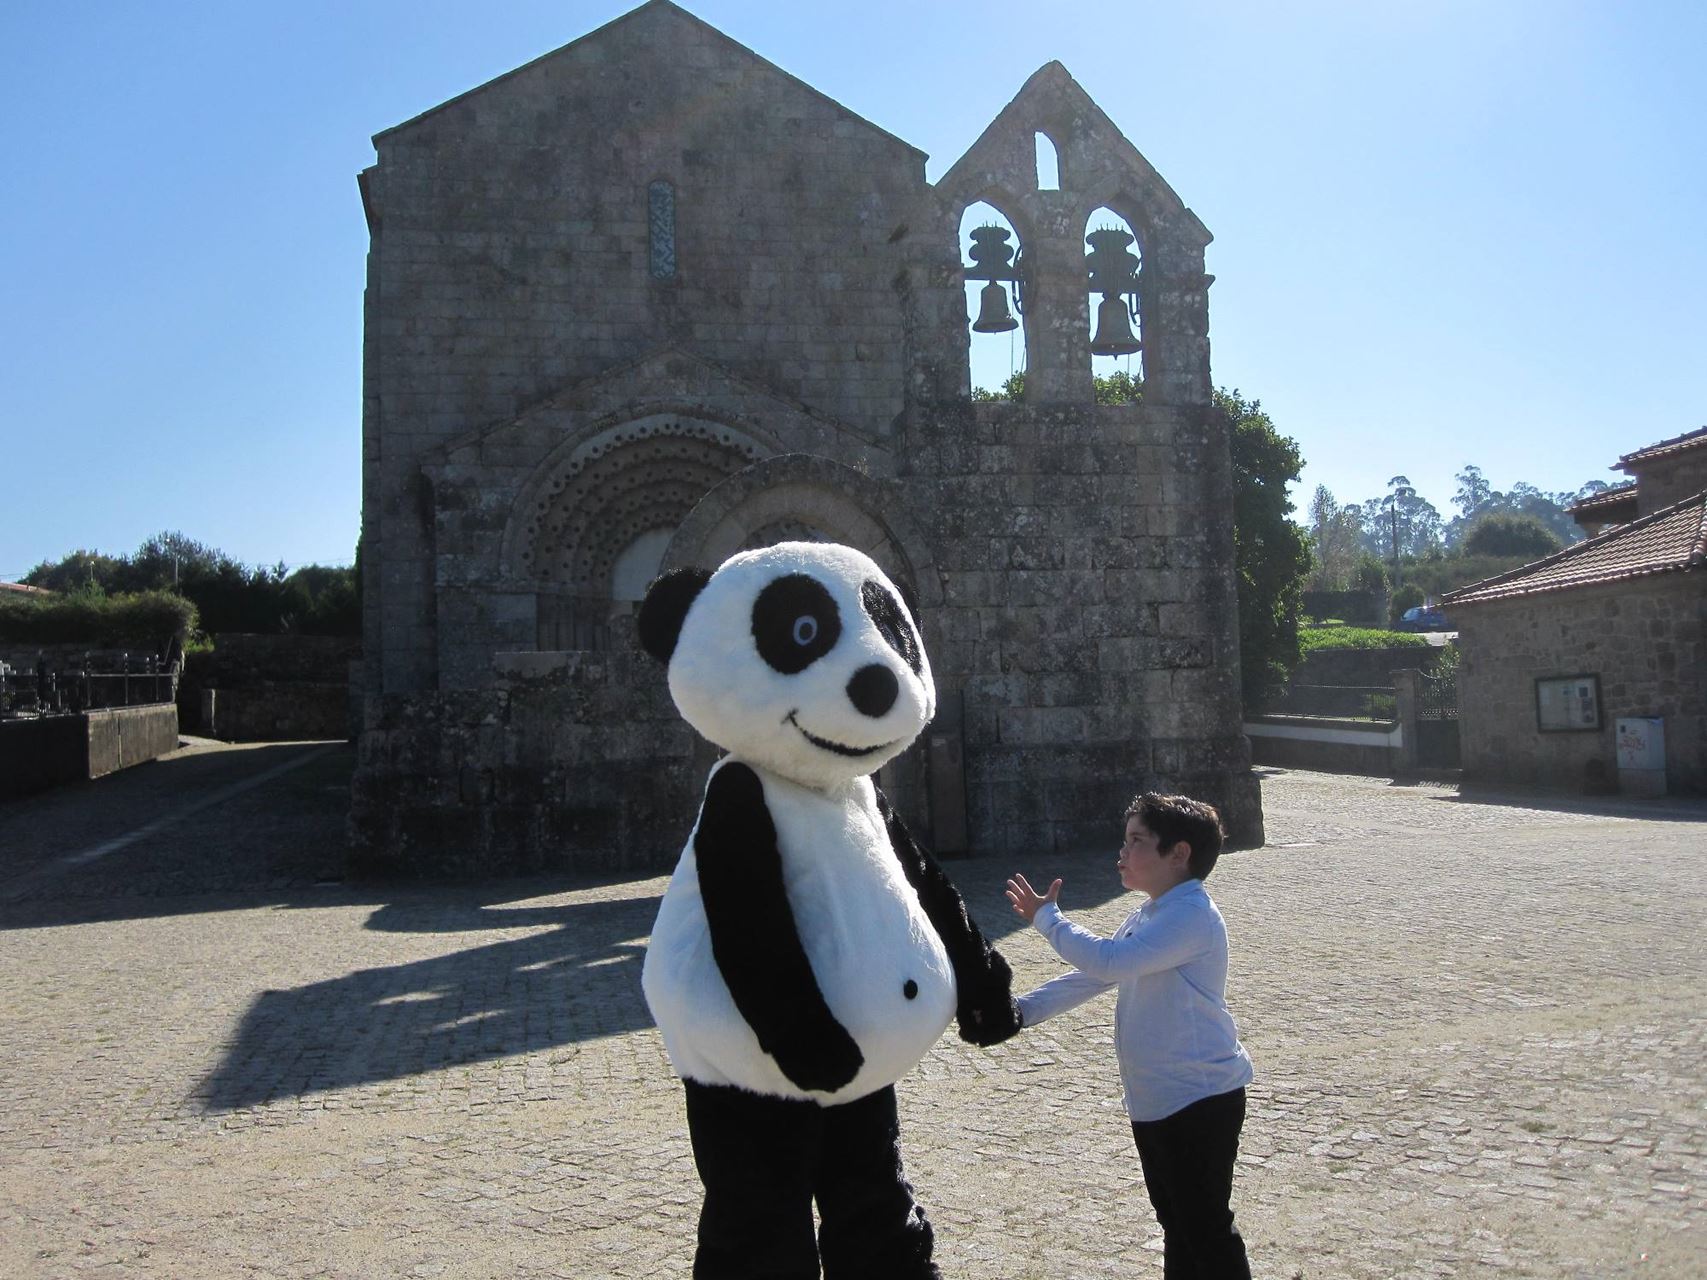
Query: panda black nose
{"x": 873, "y": 689}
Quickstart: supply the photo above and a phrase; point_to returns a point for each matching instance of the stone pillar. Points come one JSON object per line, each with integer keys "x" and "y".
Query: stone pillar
{"x": 1173, "y": 299}
{"x": 1057, "y": 333}
{"x": 1407, "y": 690}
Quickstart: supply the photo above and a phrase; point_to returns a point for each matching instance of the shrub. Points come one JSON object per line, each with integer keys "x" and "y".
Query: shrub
{"x": 1406, "y": 596}
{"x": 143, "y": 620}
{"x": 1312, "y": 638}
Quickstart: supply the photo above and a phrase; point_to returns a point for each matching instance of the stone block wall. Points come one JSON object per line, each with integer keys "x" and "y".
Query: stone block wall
{"x": 266, "y": 712}
{"x": 513, "y": 253}
{"x": 1647, "y": 641}
{"x": 1669, "y": 479}
{"x": 269, "y": 688}
{"x": 649, "y": 290}
{"x": 1081, "y": 621}
{"x": 566, "y": 760}
{"x": 239, "y": 659}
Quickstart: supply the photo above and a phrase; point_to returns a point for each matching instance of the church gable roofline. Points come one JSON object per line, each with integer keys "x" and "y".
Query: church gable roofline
{"x": 1098, "y": 163}
{"x": 655, "y": 11}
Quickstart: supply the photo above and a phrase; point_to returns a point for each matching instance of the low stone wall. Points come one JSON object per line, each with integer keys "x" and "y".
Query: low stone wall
{"x": 44, "y": 752}
{"x": 270, "y": 712}
{"x": 262, "y": 688}
{"x": 1372, "y": 747}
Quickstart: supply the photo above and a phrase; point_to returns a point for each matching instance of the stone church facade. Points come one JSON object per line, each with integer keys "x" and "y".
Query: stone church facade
{"x": 649, "y": 300}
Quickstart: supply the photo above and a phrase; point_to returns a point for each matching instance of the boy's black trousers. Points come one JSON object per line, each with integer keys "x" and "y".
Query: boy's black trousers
{"x": 1188, "y": 1170}
{"x": 764, "y": 1160}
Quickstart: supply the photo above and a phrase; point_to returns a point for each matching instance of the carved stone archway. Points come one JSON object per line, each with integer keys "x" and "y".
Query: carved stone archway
{"x": 799, "y": 492}
{"x": 584, "y": 510}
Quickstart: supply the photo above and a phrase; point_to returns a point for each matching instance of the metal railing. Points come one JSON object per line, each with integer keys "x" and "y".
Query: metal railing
{"x": 1337, "y": 701}
{"x": 95, "y": 681}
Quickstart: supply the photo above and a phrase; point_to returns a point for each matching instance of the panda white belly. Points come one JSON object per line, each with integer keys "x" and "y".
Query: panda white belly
{"x": 879, "y": 962}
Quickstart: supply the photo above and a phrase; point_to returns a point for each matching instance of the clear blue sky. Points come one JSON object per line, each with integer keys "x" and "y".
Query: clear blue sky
{"x": 1454, "y": 232}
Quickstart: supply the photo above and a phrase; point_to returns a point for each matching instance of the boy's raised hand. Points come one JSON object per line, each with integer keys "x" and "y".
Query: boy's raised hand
{"x": 1027, "y": 900}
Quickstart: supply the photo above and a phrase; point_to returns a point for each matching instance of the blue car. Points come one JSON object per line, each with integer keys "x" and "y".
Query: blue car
{"x": 1425, "y": 617}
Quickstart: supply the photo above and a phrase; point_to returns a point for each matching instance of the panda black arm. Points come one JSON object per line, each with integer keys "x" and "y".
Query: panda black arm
{"x": 755, "y": 940}
{"x": 983, "y": 982}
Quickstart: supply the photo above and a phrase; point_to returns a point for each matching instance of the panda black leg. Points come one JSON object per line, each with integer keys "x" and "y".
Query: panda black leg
{"x": 870, "y": 1225}
{"x": 756, "y": 1158}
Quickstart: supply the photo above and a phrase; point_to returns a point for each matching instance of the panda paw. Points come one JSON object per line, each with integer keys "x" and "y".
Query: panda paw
{"x": 990, "y": 1024}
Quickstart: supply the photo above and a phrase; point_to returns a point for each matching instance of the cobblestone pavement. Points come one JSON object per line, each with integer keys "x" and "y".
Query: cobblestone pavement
{"x": 1478, "y": 1024}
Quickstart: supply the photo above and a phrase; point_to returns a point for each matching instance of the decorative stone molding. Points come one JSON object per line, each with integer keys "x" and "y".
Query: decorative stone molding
{"x": 805, "y": 492}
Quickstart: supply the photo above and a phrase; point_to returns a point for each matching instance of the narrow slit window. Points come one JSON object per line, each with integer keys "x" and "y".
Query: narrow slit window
{"x": 661, "y": 228}
{"x": 1048, "y": 164}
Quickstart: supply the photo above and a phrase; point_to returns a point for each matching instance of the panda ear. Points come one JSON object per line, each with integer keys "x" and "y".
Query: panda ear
{"x": 666, "y": 607}
{"x": 910, "y": 600}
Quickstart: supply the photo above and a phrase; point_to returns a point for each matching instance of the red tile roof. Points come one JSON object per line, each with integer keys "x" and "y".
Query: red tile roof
{"x": 24, "y": 590}
{"x": 1677, "y": 444}
{"x": 1668, "y": 540}
{"x": 1612, "y": 496}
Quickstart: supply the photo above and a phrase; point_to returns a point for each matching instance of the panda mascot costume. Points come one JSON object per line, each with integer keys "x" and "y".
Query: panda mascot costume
{"x": 807, "y": 952}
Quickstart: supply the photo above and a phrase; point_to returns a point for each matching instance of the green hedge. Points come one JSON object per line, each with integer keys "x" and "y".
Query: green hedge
{"x": 144, "y": 620}
{"x": 1310, "y": 638}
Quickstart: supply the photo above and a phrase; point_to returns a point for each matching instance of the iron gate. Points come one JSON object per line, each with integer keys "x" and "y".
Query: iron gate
{"x": 1437, "y": 721}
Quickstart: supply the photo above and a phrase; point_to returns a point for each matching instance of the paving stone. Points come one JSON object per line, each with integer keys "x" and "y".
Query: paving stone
{"x": 280, "y": 1076}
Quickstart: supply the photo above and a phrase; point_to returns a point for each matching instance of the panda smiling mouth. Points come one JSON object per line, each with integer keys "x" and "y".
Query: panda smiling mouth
{"x": 836, "y": 747}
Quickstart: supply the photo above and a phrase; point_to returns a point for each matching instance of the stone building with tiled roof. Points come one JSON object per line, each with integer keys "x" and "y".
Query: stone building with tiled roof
{"x": 1558, "y": 652}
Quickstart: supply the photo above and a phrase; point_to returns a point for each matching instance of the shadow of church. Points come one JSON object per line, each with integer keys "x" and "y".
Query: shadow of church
{"x": 578, "y": 980}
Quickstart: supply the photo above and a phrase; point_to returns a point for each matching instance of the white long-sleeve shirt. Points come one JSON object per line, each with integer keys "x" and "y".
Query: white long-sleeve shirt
{"x": 1174, "y": 1035}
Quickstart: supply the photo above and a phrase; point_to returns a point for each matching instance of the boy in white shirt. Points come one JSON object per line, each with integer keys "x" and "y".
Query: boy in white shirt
{"x": 1181, "y": 1062}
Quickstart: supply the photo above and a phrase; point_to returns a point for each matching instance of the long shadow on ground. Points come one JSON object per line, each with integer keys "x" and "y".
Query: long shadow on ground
{"x": 194, "y": 838}
{"x": 577, "y": 980}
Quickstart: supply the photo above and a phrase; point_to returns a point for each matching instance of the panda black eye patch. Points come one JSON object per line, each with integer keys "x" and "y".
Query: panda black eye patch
{"x": 795, "y": 622}
{"x": 891, "y": 623}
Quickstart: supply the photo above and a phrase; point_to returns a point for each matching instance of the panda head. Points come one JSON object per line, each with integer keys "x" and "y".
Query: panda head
{"x": 801, "y": 658}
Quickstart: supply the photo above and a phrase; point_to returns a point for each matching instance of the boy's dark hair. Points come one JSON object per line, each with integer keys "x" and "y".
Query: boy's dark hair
{"x": 1174, "y": 818}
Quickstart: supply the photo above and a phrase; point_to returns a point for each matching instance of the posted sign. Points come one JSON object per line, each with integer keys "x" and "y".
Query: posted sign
{"x": 1567, "y": 702}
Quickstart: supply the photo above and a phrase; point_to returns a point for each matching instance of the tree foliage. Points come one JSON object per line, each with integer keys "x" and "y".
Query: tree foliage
{"x": 1438, "y": 556}
{"x": 1272, "y": 554}
{"x": 1336, "y": 532}
{"x": 1401, "y": 515}
{"x": 1507, "y": 534}
{"x": 227, "y": 595}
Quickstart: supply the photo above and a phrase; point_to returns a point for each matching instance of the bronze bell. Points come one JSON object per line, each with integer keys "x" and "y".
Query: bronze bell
{"x": 993, "y": 314}
{"x": 1114, "y": 336}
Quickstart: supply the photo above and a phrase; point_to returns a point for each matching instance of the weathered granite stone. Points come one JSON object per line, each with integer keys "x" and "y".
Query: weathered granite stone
{"x": 648, "y": 300}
